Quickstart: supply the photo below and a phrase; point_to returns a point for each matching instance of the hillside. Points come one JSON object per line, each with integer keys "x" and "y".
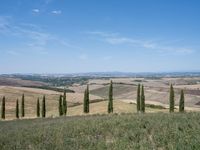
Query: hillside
{"x": 7, "y": 81}
{"x": 128, "y": 131}
{"x": 31, "y": 94}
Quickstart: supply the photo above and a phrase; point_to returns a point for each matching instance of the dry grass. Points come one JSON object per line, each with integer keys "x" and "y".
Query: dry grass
{"x": 31, "y": 95}
{"x": 156, "y": 92}
{"x": 101, "y": 108}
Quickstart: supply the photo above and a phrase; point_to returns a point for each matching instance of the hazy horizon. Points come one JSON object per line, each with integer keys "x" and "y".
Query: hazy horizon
{"x": 100, "y": 72}
{"x": 55, "y": 36}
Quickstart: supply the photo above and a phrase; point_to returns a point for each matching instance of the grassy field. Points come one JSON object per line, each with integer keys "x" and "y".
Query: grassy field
{"x": 161, "y": 131}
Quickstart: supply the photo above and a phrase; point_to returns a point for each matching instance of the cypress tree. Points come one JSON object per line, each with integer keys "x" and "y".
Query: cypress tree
{"x": 171, "y": 99}
{"x": 64, "y": 103}
{"x": 3, "y": 116}
{"x": 22, "y": 106}
{"x": 85, "y": 102}
{"x": 110, "y": 101}
{"x": 17, "y": 109}
{"x": 142, "y": 106}
{"x": 60, "y": 106}
{"x": 44, "y": 107}
{"x": 88, "y": 99}
{"x": 138, "y": 98}
{"x": 181, "y": 102}
{"x": 38, "y": 107}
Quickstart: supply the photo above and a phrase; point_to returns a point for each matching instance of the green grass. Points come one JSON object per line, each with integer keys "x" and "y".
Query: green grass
{"x": 127, "y": 131}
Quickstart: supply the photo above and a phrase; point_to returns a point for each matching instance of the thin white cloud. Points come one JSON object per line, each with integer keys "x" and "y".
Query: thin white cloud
{"x": 35, "y": 10}
{"x": 4, "y": 23}
{"x": 103, "y": 34}
{"x": 56, "y": 12}
{"x": 115, "y": 39}
{"x": 36, "y": 39}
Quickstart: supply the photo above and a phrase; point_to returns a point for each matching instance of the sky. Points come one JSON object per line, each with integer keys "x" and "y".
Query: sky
{"x": 72, "y": 36}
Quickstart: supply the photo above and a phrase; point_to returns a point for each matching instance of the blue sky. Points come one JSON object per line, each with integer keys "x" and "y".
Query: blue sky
{"x": 69, "y": 36}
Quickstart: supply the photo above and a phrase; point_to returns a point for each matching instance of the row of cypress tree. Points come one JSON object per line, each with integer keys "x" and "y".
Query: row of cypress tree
{"x": 86, "y": 99}
{"x": 63, "y": 103}
{"x": 140, "y": 99}
{"x": 172, "y": 100}
{"x": 17, "y": 108}
{"x": 17, "y": 111}
{"x": 43, "y": 110}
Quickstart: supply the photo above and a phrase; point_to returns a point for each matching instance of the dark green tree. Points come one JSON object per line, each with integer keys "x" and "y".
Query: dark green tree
{"x": 138, "y": 98}
{"x": 171, "y": 99}
{"x": 85, "y": 102}
{"x": 110, "y": 96}
{"x": 38, "y": 107}
{"x": 23, "y": 106}
{"x": 60, "y": 106}
{"x": 17, "y": 109}
{"x": 3, "y": 108}
{"x": 142, "y": 105}
{"x": 44, "y": 107}
{"x": 88, "y": 99}
{"x": 64, "y": 103}
{"x": 182, "y": 102}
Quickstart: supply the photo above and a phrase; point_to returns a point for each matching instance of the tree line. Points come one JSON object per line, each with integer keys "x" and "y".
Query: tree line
{"x": 62, "y": 103}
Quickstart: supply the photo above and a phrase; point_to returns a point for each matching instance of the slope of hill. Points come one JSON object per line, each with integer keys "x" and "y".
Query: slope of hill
{"x": 6, "y": 81}
{"x": 31, "y": 95}
{"x": 128, "y": 131}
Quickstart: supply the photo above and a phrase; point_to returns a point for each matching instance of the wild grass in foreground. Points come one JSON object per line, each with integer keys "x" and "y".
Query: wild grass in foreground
{"x": 127, "y": 131}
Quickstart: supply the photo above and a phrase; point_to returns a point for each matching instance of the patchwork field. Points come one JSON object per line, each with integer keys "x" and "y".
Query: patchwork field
{"x": 124, "y": 92}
